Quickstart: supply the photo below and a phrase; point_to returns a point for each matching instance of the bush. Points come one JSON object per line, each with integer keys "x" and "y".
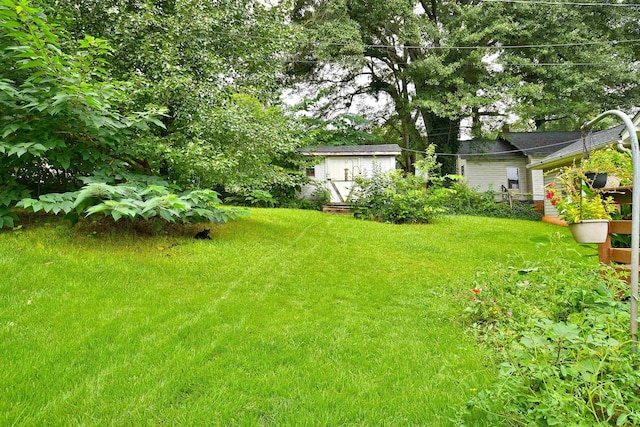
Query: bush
{"x": 393, "y": 198}
{"x": 397, "y": 199}
{"x": 463, "y": 200}
{"x": 561, "y": 333}
{"x": 135, "y": 200}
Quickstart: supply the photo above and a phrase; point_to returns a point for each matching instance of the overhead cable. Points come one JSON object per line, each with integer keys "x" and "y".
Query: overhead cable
{"x": 425, "y": 47}
{"x": 493, "y": 153}
{"x": 563, "y": 3}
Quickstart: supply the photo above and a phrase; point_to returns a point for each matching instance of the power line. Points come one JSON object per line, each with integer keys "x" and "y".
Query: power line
{"x": 425, "y": 47}
{"x": 505, "y": 64}
{"x": 562, "y": 3}
{"x": 493, "y": 153}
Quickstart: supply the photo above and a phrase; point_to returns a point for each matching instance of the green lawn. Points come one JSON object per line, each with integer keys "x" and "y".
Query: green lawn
{"x": 285, "y": 318}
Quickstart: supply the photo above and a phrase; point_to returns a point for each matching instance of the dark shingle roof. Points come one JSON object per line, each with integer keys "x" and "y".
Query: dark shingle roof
{"x": 488, "y": 149}
{"x": 576, "y": 147}
{"x": 540, "y": 143}
{"x": 355, "y": 150}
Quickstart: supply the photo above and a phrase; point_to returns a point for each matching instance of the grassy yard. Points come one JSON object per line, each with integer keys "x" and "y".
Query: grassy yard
{"x": 285, "y": 318}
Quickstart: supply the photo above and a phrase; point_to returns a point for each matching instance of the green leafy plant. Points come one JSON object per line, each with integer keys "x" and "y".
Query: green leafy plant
{"x": 462, "y": 200}
{"x": 152, "y": 202}
{"x": 575, "y": 200}
{"x": 562, "y": 335}
{"x": 611, "y": 161}
{"x": 393, "y": 198}
{"x": 63, "y": 117}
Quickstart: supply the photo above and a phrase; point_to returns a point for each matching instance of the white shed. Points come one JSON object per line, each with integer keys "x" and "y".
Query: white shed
{"x": 340, "y": 165}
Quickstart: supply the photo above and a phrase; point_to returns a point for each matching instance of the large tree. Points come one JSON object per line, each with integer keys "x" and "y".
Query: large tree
{"x": 217, "y": 66}
{"x": 62, "y": 117}
{"x": 438, "y": 62}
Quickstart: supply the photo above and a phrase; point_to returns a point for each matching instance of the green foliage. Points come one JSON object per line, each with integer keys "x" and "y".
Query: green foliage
{"x": 257, "y": 198}
{"x": 218, "y": 68}
{"x": 575, "y": 199}
{"x": 346, "y": 129}
{"x": 610, "y": 161}
{"x": 152, "y": 202}
{"x": 7, "y": 218}
{"x": 462, "y": 200}
{"x": 393, "y": 198}
{"x": 238, "y": 144}
{"x": 562, "y": 334}
{"x": 61, "y": 114}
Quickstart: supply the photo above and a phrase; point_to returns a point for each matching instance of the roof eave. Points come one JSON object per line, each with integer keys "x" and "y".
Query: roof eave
{"x": 560, "y": 161}
{"x": 352, "y": 153}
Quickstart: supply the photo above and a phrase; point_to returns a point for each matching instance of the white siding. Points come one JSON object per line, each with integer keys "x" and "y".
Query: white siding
{"x": 337, "y": 168}
{"x": 549, "y": 209}
{"x": 320, "y": 174}
{"x": 492, "y": 175}
{"x": 536, "y": 179}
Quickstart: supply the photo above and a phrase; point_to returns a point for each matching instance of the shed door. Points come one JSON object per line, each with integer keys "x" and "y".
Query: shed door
{"x": 340, "y": 174}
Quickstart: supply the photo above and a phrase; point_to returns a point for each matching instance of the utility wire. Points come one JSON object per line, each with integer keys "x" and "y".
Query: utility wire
{"x": 493, "y": 153}
{"x": 511, "y": 64}
{"x": 562, "y": 3}
{"x": 473, "y": 47}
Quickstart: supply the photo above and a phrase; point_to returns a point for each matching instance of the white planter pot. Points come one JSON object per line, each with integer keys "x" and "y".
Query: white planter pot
{"x": 590, "y": 231}
{"x": 612, "y": 181}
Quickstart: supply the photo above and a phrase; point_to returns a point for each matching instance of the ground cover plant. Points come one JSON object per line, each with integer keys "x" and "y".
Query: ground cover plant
{"x": 283, "y": 318}
{"x": 562, "y": 335}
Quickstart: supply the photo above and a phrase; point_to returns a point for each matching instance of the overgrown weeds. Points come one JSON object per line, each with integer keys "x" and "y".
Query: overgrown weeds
{"x": 562, "y": 335}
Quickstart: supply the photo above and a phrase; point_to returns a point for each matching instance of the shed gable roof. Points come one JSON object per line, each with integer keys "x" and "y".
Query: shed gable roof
{"x": 513, "y": 145}
{"x": 354, "y": 150}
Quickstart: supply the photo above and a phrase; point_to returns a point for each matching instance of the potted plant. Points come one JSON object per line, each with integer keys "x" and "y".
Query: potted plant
{"x": 616, "y": 165}
{"x": 585, "y": 209}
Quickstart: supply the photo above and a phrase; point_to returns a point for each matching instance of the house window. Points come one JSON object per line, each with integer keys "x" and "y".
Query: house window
{"x": 513, "y": 179}
{"x": 311, "y": 172}
{"x": 462, "y": 170}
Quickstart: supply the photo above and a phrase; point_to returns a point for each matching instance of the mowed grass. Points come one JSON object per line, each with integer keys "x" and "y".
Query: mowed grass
{"x": 286, "y": 318}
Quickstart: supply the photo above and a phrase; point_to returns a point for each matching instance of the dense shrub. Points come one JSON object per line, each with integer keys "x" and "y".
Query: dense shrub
{"x": 393, "y": 198}
{"x": 135, "y": 200}
{"x": 466, "y": 201}
{"x": 397, "y": 199}
{"x": 561, "y": 334}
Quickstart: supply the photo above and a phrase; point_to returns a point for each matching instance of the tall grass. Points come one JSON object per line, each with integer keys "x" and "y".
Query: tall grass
{"x": 285, "y": 318}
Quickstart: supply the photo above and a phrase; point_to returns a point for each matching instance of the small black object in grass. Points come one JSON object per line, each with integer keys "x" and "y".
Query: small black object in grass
{"x": 204, "y": 235}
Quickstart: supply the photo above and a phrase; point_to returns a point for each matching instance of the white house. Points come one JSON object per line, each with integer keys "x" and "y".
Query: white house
{"x": 501, "y": 164}
{"x": 340, "y": 165}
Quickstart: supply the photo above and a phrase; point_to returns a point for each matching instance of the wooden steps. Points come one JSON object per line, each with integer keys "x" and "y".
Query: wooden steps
{"x": 337, "y": 208}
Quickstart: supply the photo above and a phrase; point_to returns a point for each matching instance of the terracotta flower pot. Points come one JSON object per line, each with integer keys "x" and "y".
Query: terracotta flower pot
{"x": 590, "y": 231}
